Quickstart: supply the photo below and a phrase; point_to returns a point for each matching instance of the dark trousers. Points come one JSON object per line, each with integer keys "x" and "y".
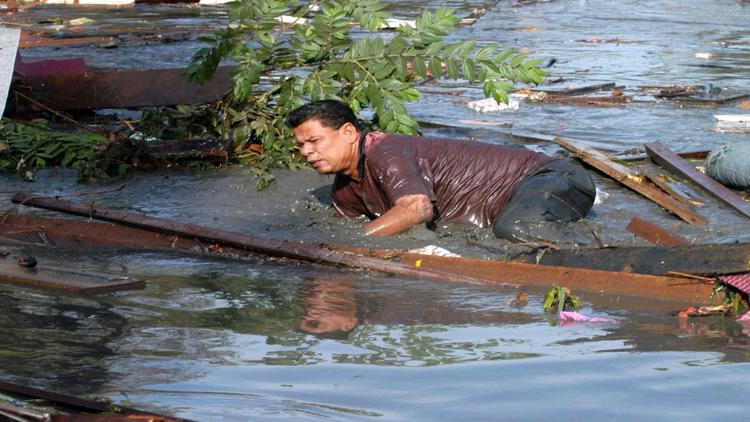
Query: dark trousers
{"x": 554, "y": 194}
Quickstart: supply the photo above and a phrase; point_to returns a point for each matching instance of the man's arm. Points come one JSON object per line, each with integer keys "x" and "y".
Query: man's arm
{"x": 408, "y": 211}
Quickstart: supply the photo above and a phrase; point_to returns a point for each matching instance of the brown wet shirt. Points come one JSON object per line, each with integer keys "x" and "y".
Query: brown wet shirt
{"x": 469, "y": 182}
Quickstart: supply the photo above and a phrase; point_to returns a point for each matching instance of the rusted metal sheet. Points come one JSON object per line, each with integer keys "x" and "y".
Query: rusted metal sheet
{"x": 632, "y": 180}
{"x": 674, "y": 163}
{"x": 581, "y": 280}
{"x": 91, "y": 234}
{"x": 77, "y": 409}
{"x": 116, "y": 89}
{"x": 57, "y": 278}
{"x": 654, "y": 233}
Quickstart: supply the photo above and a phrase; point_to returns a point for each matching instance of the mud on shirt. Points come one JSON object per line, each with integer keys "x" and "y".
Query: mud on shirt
{"x": 468, "y": 182}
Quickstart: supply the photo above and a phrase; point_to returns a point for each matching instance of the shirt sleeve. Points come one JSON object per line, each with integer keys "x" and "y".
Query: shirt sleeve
{"x": 399, "y": 173}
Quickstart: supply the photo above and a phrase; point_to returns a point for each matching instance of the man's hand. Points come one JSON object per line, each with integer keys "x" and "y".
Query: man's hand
{"x": 408, "y": 211}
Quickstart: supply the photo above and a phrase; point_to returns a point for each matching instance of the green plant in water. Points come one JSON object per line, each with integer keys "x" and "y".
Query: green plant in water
{"x": 267, "y": 39}
{"x": 732, "y": 297}
{"x": 560, "y": 299}
{"x": 24, "y": 148}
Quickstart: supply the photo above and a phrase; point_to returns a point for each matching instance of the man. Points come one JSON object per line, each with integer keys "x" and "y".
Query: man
{"x": 400, "y": 181}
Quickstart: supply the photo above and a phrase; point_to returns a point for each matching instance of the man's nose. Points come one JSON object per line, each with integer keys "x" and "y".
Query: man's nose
{"x": 306, "y": 149}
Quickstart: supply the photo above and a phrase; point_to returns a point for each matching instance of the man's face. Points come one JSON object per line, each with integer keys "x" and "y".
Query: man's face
{"x": 328, "y": 150}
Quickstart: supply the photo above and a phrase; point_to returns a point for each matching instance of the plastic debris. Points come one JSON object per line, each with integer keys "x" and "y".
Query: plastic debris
{"x": 572, "y": 316}
{"x": 738, "y": 281}
{"x": 489, "y": 105}
{"x": 704, "y": 55}
{"x": 81, "y": 21}
{"x": 729, "y": 165}
{"x": 601, "y": 196}
{"x": 434, "y": 250}
{"x": 699, "y": 311}
{"x": 733, "y": 118}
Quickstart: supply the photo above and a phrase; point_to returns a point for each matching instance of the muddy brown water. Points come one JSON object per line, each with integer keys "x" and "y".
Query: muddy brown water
{"x": 223, "y": 340}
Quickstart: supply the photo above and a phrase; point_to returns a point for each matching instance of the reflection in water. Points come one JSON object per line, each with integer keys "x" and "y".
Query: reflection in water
{"x": 329, "y": 307}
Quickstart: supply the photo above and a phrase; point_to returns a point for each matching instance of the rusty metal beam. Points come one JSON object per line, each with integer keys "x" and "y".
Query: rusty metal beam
{"x": 654, "y": 233}
{"x": 661, "y": 155}
{"x": 632, "y": 180}
{"x": 116, "y": 89}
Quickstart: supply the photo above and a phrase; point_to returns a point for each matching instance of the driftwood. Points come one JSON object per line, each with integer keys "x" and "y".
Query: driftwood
{"x": 632, "y": 180}
{"x": 675, "y": 164}
{"x": 57, "y": 278}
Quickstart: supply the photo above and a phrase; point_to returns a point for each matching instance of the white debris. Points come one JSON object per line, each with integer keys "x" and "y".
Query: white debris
{"x": 733, "y": 118}
{"x": 434, "y": 250}
{"x": 395, "y": 23}
{"x": 489, "y": 105}
{"x": 703, "y": 55}
{"x": 9, "y": 38}
{"x": 601, "y": 196}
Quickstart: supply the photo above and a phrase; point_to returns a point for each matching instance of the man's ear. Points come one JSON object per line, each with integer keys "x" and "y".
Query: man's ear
{"x": 349, "y": 131}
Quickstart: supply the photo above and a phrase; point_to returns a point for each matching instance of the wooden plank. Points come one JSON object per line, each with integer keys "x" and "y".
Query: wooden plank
{"x": 661, "y": 155}
{"x": 654, "y": 233}
{"x": 708, "y": 259}
{"x": 56, "y": 278}
{"x": 579, "y": 279}
{"x": 632, "y": 180}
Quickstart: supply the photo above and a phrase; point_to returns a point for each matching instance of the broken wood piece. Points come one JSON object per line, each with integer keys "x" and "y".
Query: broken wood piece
{"x": 577, "y": 90}
{"x": 588, "y": 100}
{"x": 695, "y": 154}
{"x": 116, "y": 89}
{"x": 631, "y": 179}
{"x": 73, "y": 408}
{"x": 661, "y": 155}
{"x": 66, "y": 280}
{"x": 215, "y": 150}
{"x": 654, "y": 233}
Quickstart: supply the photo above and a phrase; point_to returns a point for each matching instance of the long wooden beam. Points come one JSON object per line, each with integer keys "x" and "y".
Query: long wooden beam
{"x": 56, "y": 278}
{"x": 91, "y": 234}
{"x": 663, "y": 156}
{"x": 632, "y": 180}
{"x": 279, "y": 248}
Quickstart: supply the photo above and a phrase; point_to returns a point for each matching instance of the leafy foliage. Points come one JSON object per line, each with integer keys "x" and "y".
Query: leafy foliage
{"x": 27, "y": 147}
{"x": 266, "y": 39}
{"x": 560, "y": 299}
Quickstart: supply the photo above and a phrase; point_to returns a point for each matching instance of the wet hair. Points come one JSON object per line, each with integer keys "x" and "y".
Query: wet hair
{"x": 330, "y": 113}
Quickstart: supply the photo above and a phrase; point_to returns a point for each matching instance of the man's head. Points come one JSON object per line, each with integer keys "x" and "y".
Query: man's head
{"x": 327, "y": 132}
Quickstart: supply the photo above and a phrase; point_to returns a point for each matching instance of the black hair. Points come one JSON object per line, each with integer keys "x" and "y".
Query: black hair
{"x": 330, "y": 113}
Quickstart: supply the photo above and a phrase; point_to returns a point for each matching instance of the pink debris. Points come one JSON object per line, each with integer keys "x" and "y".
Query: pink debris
{"x": 49, "y": 67}
{"x": 740, "y": 281}
{"x": 570, "y": 316}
